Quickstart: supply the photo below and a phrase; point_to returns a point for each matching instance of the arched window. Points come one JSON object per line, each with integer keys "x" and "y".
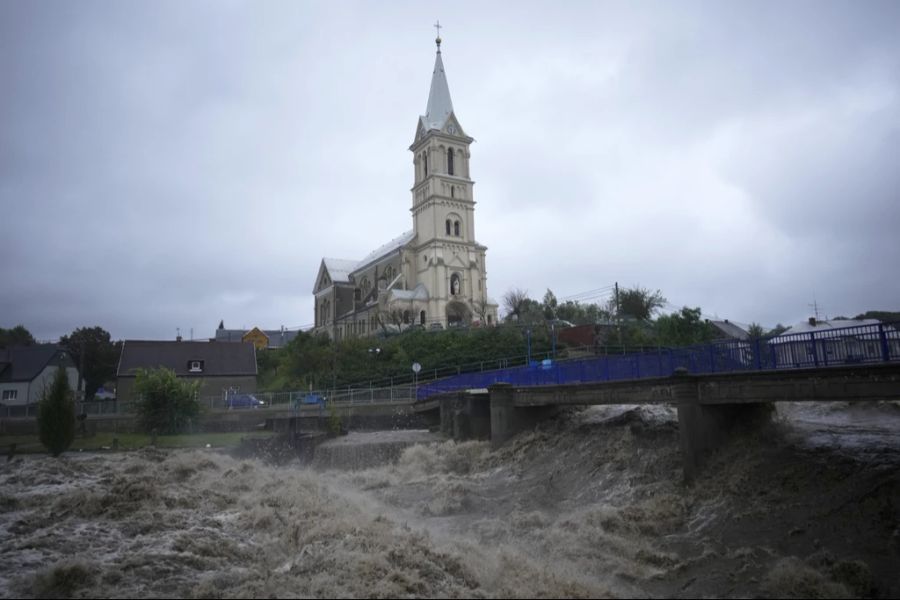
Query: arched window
{"x": 456, "y": 229}
{"x": 406, "y": 317}
{"x": 453, "y": 191}
{"x": 448, "y": 226}
{"x": 422, "y": 318}
{"x": 425, "y": 162}
{"x": 489, "y": 319}
{"x": 450, "y": 161}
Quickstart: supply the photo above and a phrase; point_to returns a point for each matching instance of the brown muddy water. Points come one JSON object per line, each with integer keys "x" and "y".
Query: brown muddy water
{"x": 589, "y": 505}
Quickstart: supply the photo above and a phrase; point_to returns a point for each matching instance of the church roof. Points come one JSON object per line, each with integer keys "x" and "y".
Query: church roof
{"x": 385, "y": 249}
{"x": 439, "y": 104}
{"x": 417, "y": 293}
{"x": 339, "y": 269}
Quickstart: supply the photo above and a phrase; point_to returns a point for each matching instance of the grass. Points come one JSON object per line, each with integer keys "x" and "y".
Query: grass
{"x": 29, "y": 444}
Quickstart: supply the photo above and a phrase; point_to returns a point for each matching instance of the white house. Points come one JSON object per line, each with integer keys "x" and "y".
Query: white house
{"x": 26, "y": 371}
{"x": 834, "y": 342}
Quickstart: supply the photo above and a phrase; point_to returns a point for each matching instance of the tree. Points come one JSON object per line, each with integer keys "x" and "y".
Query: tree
{"x": 16, "y": 336}
{"x": 56, "y": 415}
{"x": 550, "y": 304}
{"x": 777, "y": 330}
{"x": 95, "y": 354}
{"x": 165, "y": 403}
{"x": 639, "y": 303}
{"x": 683, "y": 328}
{"x": 513, "y": 302}
{"x": 756, "y": 331}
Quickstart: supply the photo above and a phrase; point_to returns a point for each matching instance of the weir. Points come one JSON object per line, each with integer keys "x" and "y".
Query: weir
{"x": 711, "y": 408}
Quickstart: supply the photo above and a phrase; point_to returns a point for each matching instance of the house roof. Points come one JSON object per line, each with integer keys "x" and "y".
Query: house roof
{"x": 234, "y": 359}
{"x": 24, "y": 363}
{"x": 857, "y": 328}
{"x": 730, "y": 329}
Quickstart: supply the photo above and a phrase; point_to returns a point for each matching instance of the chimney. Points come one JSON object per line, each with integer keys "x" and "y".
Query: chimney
{"x": 812, "y": 321}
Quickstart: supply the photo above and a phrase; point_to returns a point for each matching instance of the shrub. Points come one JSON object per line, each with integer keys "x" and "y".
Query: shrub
{"x": 165, "y": 403}
{"x": 56, "y": 415}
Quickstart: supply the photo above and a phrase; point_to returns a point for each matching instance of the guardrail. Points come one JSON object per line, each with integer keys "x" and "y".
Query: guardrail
{"x": 862, "y": 344}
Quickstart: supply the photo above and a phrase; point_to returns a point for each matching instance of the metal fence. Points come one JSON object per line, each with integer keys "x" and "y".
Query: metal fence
{"x": 860, "y": 344}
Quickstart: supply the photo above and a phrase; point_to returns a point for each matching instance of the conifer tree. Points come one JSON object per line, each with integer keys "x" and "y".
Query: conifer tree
{"x": 56, "y": 415}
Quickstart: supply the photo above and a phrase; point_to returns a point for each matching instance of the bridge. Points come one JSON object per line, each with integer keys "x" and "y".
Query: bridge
{"x": 716, "y": 387}
{"x": 710, "y": 406}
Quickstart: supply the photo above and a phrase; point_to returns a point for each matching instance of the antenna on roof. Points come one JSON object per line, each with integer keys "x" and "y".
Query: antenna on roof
{"x": 815, "y": 307}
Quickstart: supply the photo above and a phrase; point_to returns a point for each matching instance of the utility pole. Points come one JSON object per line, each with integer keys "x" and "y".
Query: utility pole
{"x": 618, "y": 324}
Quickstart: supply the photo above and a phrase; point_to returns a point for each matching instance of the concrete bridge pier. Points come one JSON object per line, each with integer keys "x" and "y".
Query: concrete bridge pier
{"x": 704, "y": 428}
{"x": 507, "y": 419}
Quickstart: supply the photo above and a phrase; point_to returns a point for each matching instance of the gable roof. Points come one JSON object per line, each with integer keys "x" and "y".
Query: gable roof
{"x": 24, "y": 363}
{"x": 731, "y": 330}
{"x": 235, "y": 359}
{"x": 339, "y": 268}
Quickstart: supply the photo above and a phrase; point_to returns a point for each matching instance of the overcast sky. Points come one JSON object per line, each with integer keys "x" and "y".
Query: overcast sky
{"x": 166, "y": 165}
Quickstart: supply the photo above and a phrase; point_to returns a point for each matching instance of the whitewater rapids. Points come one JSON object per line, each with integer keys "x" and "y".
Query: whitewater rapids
{"x": 589, "y": 505}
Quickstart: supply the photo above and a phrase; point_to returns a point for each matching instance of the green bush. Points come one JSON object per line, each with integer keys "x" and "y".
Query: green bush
{"x": 56, "y": 415}
{"x": 165, "y": 403}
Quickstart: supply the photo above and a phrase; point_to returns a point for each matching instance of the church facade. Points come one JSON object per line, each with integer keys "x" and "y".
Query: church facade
{"x": 432, "y": 276}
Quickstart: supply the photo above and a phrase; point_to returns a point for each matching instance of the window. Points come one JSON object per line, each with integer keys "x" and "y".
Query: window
{"x": 10, "y": 394}
{"x": 489, "y": 319}
{"x": 453, "y": 191}
{"x": 425, "y": 162}
{"x": 456, "y": 229}
{"x": 422, "y": 318}
{"x": 450, "y": 161}
{"x": 448, "y": 226}
{"x": 195, "y": 366}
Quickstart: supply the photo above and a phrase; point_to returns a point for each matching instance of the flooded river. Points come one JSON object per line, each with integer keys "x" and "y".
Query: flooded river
{"x": 589, "y": 505}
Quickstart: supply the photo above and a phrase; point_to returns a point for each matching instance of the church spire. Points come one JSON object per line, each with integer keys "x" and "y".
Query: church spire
{"x": 439, "y": 104}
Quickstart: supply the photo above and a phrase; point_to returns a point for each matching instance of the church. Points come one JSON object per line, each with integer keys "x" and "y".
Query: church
{"x": 432, "y": 276}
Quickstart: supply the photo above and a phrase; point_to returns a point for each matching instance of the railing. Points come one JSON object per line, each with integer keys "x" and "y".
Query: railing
{"x": 862, "y": 344}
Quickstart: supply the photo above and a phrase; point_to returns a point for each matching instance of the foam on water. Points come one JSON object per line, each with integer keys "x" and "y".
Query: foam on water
{"x": 589, "y": 505}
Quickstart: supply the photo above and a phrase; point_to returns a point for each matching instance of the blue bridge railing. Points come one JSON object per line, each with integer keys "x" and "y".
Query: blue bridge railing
{"x": 861, "y": 344}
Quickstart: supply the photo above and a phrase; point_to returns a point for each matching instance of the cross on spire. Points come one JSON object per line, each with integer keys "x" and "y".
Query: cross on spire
{"x": 437, "y": 40}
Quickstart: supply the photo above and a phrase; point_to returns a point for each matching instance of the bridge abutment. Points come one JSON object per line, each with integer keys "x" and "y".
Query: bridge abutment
{"x": 466, "y": 416}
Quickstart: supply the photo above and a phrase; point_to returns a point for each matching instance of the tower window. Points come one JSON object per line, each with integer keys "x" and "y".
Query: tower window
{"x": 448, "y": 226}
{"x": 425, "y": 162}
{"x": 450, "y": 161}
{"x": 456, "y": 229}
{"x": 453, "y": 191}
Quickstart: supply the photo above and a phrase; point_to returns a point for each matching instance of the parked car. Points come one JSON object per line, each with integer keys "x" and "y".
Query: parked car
{"x": 243, "y": 401}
